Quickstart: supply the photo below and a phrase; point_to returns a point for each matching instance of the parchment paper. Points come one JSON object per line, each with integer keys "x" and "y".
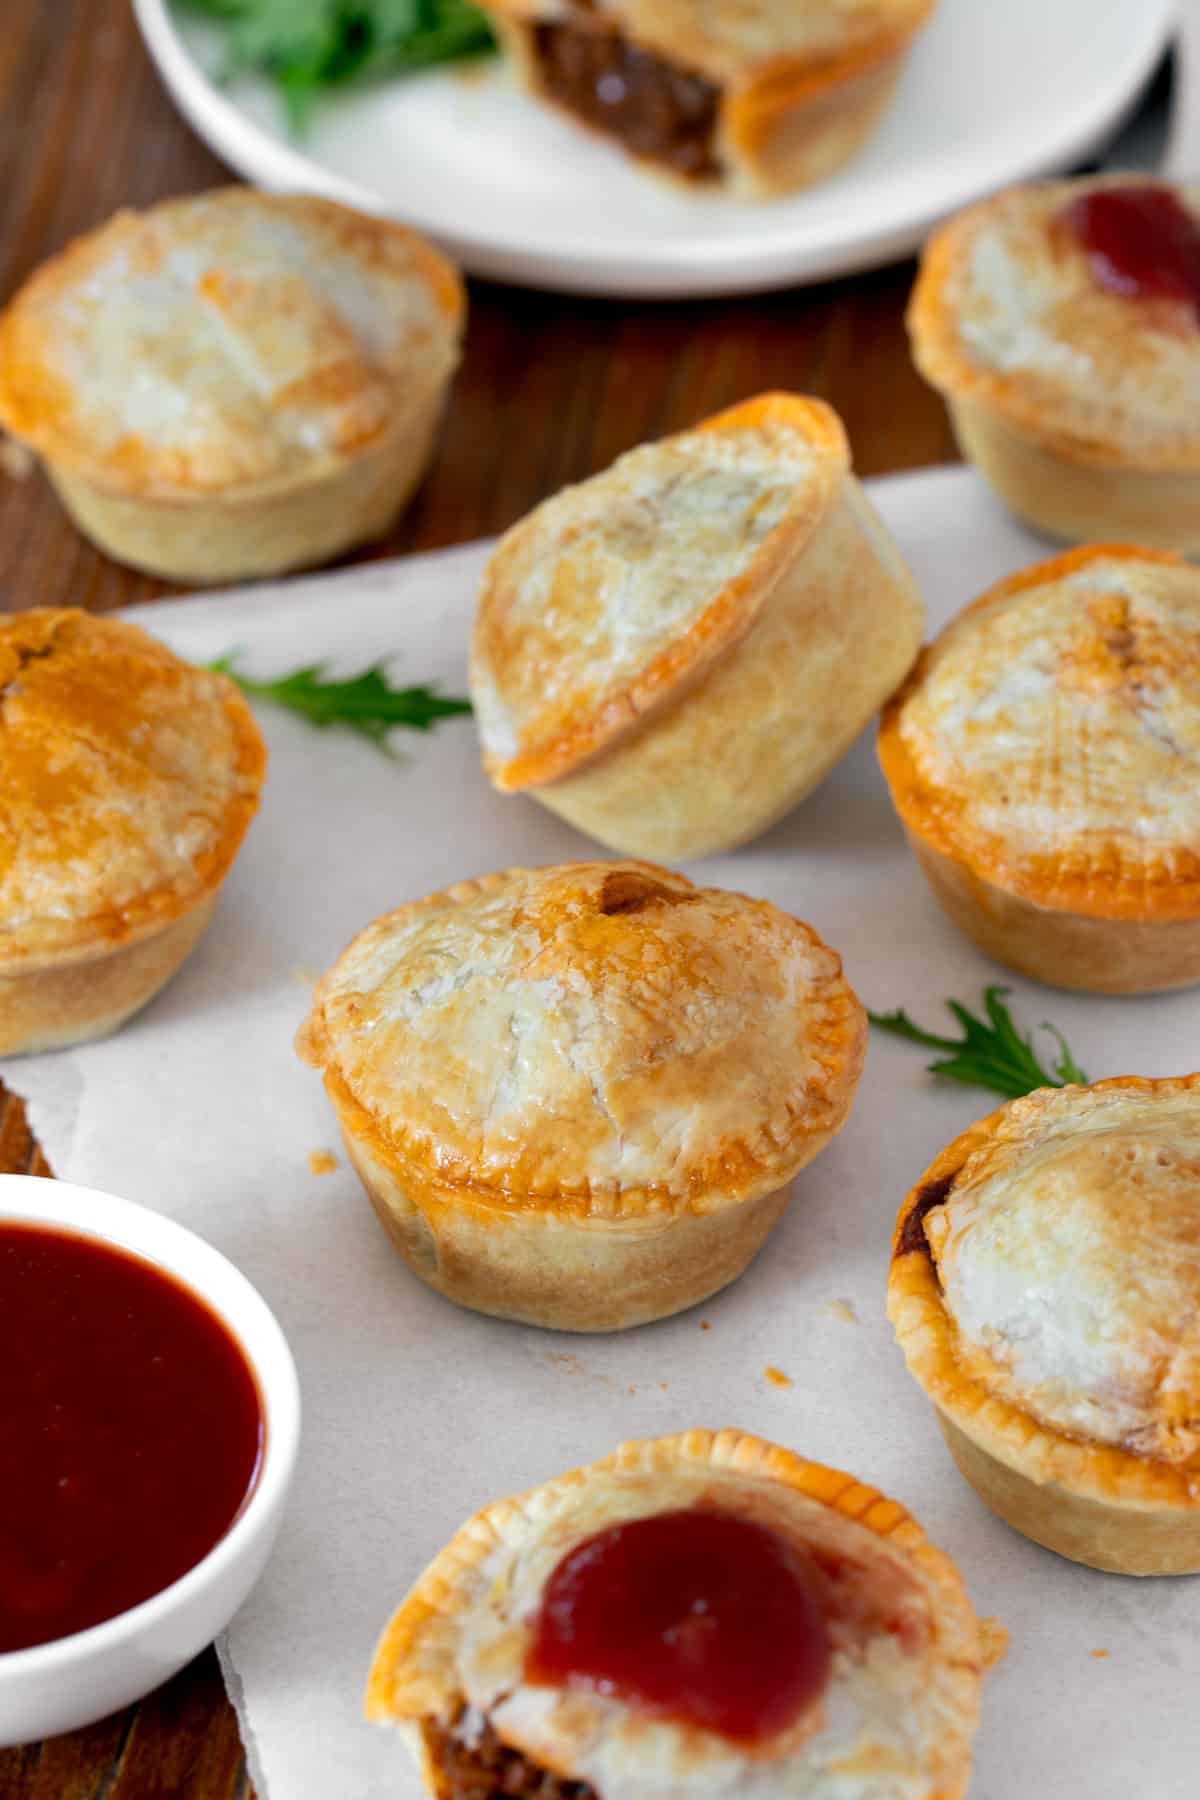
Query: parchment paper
{"x": 416, "y": 1413}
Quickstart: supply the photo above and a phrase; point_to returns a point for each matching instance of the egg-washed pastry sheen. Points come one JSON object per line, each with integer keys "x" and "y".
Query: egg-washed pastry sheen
{"x": 127, "y": 781}
{"x": 756, "y": 99}
{"x": 890, "y": 1715}
{"x": 1079, "y": 403}
{"x": 576, "y": 1096}
{"x": 234, "y": 384}
{"x": 1045, "y": 1291}
{"x": 674, "y": 653}
{"x": 1044, "y": 756}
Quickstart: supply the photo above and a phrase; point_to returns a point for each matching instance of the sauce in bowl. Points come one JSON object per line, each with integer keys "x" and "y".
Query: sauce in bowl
{"x": 131, "y": 1432}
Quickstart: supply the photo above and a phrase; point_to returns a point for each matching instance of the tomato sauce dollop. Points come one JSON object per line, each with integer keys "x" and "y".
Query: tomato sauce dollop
{"x": 694, "y": 1614}
{"x": 1141, "y": 241}
{"x": 131, "y": 1430}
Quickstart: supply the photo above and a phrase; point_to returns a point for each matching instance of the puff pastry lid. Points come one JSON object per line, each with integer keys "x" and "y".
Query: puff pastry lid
{"x": 613, "y": 597}
{"x": 601, "y": 1039}
{"x": 893, "y": 1724}
{"x": 1068, "y": 1255}
{"x": 224, "y": 341}
{"x": 1050, "y": 737}
{"x": 734, "y": 38}
{"x": 1008, "y": 310}
{"x": 127, "y": 780}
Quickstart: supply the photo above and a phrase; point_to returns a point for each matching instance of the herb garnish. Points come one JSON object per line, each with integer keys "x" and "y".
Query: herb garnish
{"x": 991, "y": 1052}
{"x": 306, "y": 46}
{"x": 365, "y": 703}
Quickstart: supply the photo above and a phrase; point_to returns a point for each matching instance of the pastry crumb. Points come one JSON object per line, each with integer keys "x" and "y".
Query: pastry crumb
{"x": 1099, "y": 1653}
{"x": 663, "y": 1385}
{"x": 993, "y": 1642}
{"x": 322, "y": 1162}
{"x": 844, "y": 1310}
{"x": 776, "y": 1377}
{"x": 704, "y": 1325}
{"x": 16, "y": 460}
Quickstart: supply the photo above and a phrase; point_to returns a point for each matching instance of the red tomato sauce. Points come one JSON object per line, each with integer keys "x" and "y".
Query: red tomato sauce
{"x": 1141, "y": 241}
{"x": 693, "y": 1614}
{"x": 131, "y": 1431}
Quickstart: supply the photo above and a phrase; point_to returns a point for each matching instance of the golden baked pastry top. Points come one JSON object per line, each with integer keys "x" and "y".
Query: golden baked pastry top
{"x": 613, "y": 596}
{"x": 603, "y": 1037}
{"x": 227, "y": 340}
{"x": 1007, "y": 310}
{"x": 127, "y": 780}
{"x": 1050, "y": 737}
{"x": 1046, "y": 1285}
{"x": 728, "y": 39}
{"x": 903, "y": 1696}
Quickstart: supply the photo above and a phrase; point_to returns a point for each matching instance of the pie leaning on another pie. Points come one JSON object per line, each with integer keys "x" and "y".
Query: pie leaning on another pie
{"x": 1044, "y": 756}
{"x": 1045, "y": 1291}
{"x": 702, "y": 1615}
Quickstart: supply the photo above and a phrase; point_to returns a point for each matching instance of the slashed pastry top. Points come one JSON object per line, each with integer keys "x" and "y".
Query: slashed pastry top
{"x": 230, "y": 339}
{"x": 127, "y": 780}
{"x": 1008, "y": 310}
{"x": 603, "y": 1038}
{"x": 899, "y": 1703}
{"x": 1064, "y": 1232}
{"x": 612, "y": 597}
{"x": 1050, "y": 737}
{"x": 729, "y": 38}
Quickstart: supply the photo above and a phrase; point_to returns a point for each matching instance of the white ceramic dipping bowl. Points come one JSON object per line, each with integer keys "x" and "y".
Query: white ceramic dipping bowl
{"x": 67, "y": 1683}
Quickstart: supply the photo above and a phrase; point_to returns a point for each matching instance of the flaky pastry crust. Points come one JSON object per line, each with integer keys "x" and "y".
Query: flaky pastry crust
{"x": 799, "y": 89}
{"x": 596, "y": 1067}
{"x": 1044, "y": 1288}
{"x": 908, "y": 1700}
{"x": 1077, "y": 403}
{"x": 233, "y": 383}
{"x": 673, "y": 653}
{"x": 127, "y": 781}
{"x": 1043, "y": 757}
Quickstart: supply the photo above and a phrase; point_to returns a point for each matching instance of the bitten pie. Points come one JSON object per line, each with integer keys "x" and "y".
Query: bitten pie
{"x": 127, "y": 781}
{"x": 576, "y": 1096}
{"x": 1045, "y": 1290}
{"x": 703, "y": 1614}
{"x": 1044, "y": 757}
{"x": 674, "y": 653}
{"x": 234, "y": 384}
{"x": 1061, "y": 322}
{"x": 756, "y": 99}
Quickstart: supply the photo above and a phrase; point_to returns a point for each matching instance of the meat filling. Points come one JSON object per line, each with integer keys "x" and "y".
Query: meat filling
{"x": 490, "y": 1770}
{"x": 655, "y": 109}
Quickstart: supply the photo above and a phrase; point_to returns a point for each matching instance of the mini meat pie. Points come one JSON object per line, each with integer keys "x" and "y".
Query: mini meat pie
{"x": 1045, "y": 759}
{"x": 1062, "y": 323}
{"x": 127, "y": 781}
{"x": 1045, "y": 1291}
{"x": 758, "y": 98}
{"x": 674, "y": 653}
{"x": 702, "y": 1614}
{"x": 576, "y": 1096}
{"x": 234, "y": 384}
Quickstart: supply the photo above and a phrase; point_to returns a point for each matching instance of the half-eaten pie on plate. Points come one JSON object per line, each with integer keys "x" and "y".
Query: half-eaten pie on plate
{"x": 127, "y": 781}
{"x": 577, "y": 1096}
{"x": 755, "y": 98}
{"x": 700, "y": 1617}
{"x": 1045, "y": 1291}
{"x": 1044, "y": 757}
{"x": 674, "y": 653}
{"x": 1061, "y": 321}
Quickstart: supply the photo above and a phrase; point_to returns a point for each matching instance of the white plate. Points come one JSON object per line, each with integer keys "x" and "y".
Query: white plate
{"x": 996, "y": 90}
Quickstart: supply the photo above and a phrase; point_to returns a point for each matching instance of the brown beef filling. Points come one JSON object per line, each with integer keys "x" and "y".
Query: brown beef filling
{"x": 652, "y": 107}
{"x": 493, "y": 1771}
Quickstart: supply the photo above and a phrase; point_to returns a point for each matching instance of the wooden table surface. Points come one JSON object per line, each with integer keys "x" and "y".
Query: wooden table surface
{"x": 551, "y": 388}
